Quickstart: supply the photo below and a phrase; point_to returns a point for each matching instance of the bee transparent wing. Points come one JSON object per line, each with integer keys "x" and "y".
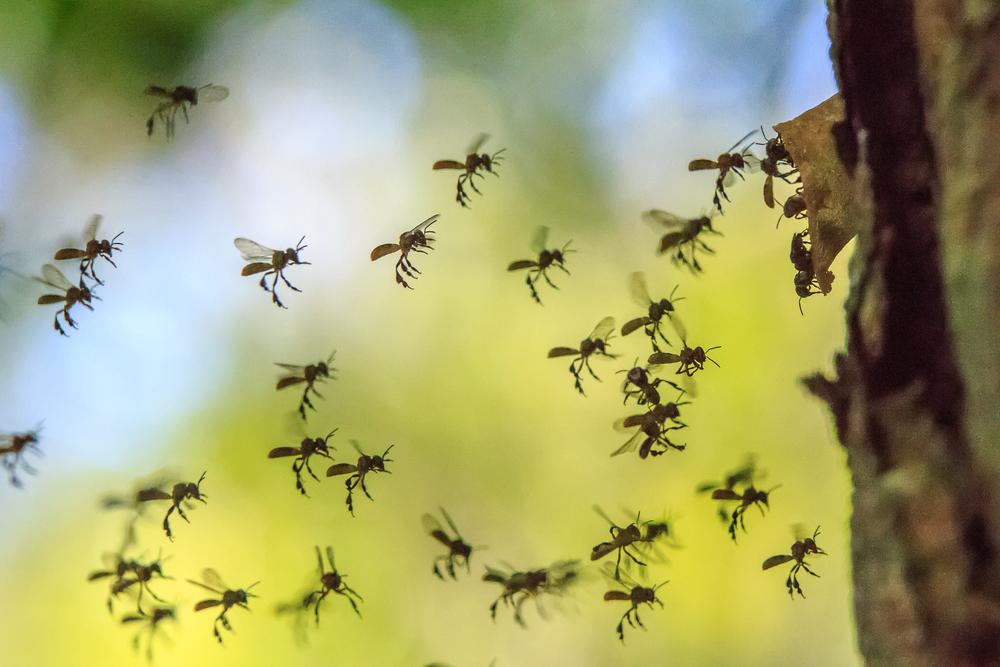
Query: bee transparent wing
{"x": 90, "y": 231}
{"x": 477, "y": 143}
{"x": 212, "y": 93}
{"x": 657, "y": 217}
{"x": 53, "y": 277}
{"x": 426, "y": 223}
{"x": 678, "y": 326}
{"x": 357, "y": 446}
{"x": 539, "y": 240}
{"x": 603, "y": 329}
{"x": 292, "y": 368}
{"x": 638, "y": 289}
{"x": 158, "y": 91}
{"x": 212, "y": 578}
{"x": 743, "y": 139}
{"x": 629, "y": 445}
{"x": 251, "y": 251}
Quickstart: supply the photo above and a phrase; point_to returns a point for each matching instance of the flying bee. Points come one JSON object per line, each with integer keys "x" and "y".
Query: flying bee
{"x": 653, "y": 430}
{"x": 748, "y": 498}
{"x": 689, "y": 360}
{"x": 357, "y": 472}
{"x": 656, "y": 311}
{"x": 596, "y": 344}
{"x": 730, "y": 162}
{"x": 116, "y": 567}
{"x": 775, "y": 155}
{"x": 13, "y": 448}
{"x": 268, "y": 261}
{"x": 179, "y": 99}
{"x": 632, "y": 592}
{"x": 226, "y": 597}
{"x": 740, "y": 477}
{"x": 640, "y": 384}
{"x": 311, "y": 375}
{"x": 138, "y": 574}
{"x": 419, "y": 239}
{"x": 538, "y": 268}
{"x": 178, "y": 496}
{"x": 307, "y": 449}
{"x": 151, "y": 624}
{"x": 621, "y": 540}
{"x": 519, "y": 587}
{"x": 474, "y": 165}
{"x": 68, "y": 294}
{"x": 459, "y": 551}
{"x": 331, "y": 582}
{"x": 657, "y": 533}
{"x": 93, "y": 250}
{"x": 685, "y": 237}
{"x": 798, "y": 552}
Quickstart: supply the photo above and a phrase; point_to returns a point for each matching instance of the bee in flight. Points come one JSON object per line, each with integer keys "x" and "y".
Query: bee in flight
{"x": 137, "y": 574}
{"x": 519, "y": 587}
{"x": 798, "y": 552}
{"x": 179, "y": 99}
{"x": 749, "y": 497}
{"x": 652, "y": 430}
{"x": 331, "y": 582}
{"x": 307, "y": 449}
{"x": 225, "y": 596}
{"x": 459, "y": 551}
{"x": 729, "y": 163}
{"x": 418, "y": 239}
{"x": 67, "y": 294}
{"x": 684, "y": 239}
{"x": 261, "y": 259}
{"x": 150, "y": 623}
{"x": 13, "y": 447}
{"x": 622, "y": 539}
{"x": 366, "y": 464}
{"x": 181, "y": 493}
{"x": 547, "y": 259}
{"x": 635, "y": 594}
{"x": 740, "y": 477}
{"x": 689, "y": 360}
{"x": 311, "y": 375}
{"x": 594, "y": 344}
{"x": 473, "y": 167}
{"x": 92, "y": 250}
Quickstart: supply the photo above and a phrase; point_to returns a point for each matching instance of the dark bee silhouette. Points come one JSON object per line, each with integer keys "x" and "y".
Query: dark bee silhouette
{"x": 227, "y": 598}
{"x": 657, "y": 533}
{"x": 640, "y": 384}
{"x": 749, "y": 497}
{"x": 727, "y": 163}
{"x": 793, "y": 208}
{"x": 268, "y": 261}
{"x": 116, "y": 567}
{"x": 331, "y": 582}
{"x": 684, "y": 239}
{"x": 182, "y": 492}
{"x": 547, "y": 259}
{"x": 366, "y": 464}
{"x": 740, "y": 477}
{"x": 621, "y": 540}
{"x": 656, "y": 311}
{"x": 799, "y": 550}
{"x": 150, "y": 623}
{"x": 308, "y": 448}
{"x": 179, "y": 99}
{"x": 137, "y": 574}
{"x": 519, "y": 587}
{"x": 689, "y": 360}
{"x": 311, "y": 375}
{"x": 475, "y": 163}
{"x": 594, "y": 344}
{"x": 68, "y": 294}
{"x": 635, "y": 594}
{"x": 297, "y": 612}
{"x": 652, "y": 438}
{"x": 13, "y": 447}
{"x": 418, "y": 239}
{"x": 775, "y": 155}
{"x": 92, "y": 251}
{"x": 459, "y": 551}
{"x": 805, "y": 280}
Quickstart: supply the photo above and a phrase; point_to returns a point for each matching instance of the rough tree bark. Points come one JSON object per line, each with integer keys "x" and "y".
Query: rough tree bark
{"x": 917, "y": 392}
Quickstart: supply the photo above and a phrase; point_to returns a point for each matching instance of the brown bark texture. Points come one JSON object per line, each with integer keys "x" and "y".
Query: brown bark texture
{"x": 917, "y": 393}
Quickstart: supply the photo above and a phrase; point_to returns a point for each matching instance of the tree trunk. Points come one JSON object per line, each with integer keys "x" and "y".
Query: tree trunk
{"x": 918, "y": 390}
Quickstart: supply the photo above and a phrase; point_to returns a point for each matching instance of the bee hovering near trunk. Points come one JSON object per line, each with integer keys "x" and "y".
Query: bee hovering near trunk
{"x": 13, "y": 447}
{"x": 730, "y": 162}
{"x": 93, "y": 250}
{"x": 270, "y": 262}
{"x": 775, "y": 156}
{"x": 800, "y": 549}
{"x": 748, "y": 498}
{"x": 547, "y": 259}
{"x": 366, "y": 464}
{"x": 179, "y": 99}
{"x": 68, "y": 294}
{"x": 640, "y": 384}
{"x": 740, "y": 477}
{"x": 331, "y": 582}
{"x": 596, "y": 344}
{"x": 182, "y": 492}
{"x": 307, "y": 449}
{"x": 656, "y": 312}
{"x": 418, "y": 239}
{"x": 459, "y": 551}
{"x": 311, "y": 375}
{"x": 690, "y": 360}
{"x": 473, "y": 167}
{"x": 518, "y": 587}
{"x": 635, "y": 594}
{"x": 138, "y": 574}
{"x": 226, "y": 597}
{"x": 684, "y": 239}
{"x": 150, "y": 624}
{"x": 652, "y": 431}
{"x": 621, "y": 540}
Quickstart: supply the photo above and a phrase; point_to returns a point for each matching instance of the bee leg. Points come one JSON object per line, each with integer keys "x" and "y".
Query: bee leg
{"x": 586, "y": 364}
{"x": 636, "y": 560}
{"x": 620, "y": 630}
{"x": 531, "y": 286}
{"x": 166, "y": 524}
{"x": 319, "y": 599}
{"x": 285, "y": 280}
{"x": 185, "y": 110}
{"x": 57, "y": 326}
{"x": 546, "y": 277}
{"x": 437, "y": 572}
{"x": 305, "y": 463}
{"x": 618, "y": 565}
{"x": 493, "y": 609}
{"x": 365, "y": 488}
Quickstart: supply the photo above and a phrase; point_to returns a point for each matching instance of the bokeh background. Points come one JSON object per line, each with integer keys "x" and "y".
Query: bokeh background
{"x": 337, "y": 111}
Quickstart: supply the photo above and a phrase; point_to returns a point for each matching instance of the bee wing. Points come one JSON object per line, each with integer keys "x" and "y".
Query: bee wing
{"x": 563, "y": 352}
{"x": 603, "y": 329}
{"x": 774, "y": 561}
{"x": 357, "y": 446}
{"x": 251, "y": 251}
{"x": 702, "y": 164}
{"x": 600, "y": 513}
{"x": 678, "y": 326}
{"x": 632, "y": 325}
{"x": 212, "y": 93}
{"x": 158, "y": 91}
{"x": 132, "y": 618}
{"x": 90, "y": 231}
{"x": 212, "y": 578}
{"x": 522, "y": 264}
{"x": 448, "y": 164}
{"x": 477, "y": 143}
{"x": 152, "y": 494}
{"x": 297, "y": 369}
{"x": 426, "y": 223}
{"x": 705, "y": 487}
{"x": 629, "y": 445}
{"x": 539, "y": 240}
{"x": 279, "y": 452}
{"x": 638, "y": 289}
{"x": 725, "y": 494}
{"x": 744, "y": 138}
{"x": 655, "y": 216}
{"x": 660, "y": 358}
{"x": 340, "y": 469}
{"x": 205, "y": 604}
{"x": 53, "y": 277}
{"x": 451, "y": 523}
{"x": 626, "y": 424}
{"x": 329, "y": 557}
{"x": 384, "y": 249}
{"x": 434, "y": 529}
